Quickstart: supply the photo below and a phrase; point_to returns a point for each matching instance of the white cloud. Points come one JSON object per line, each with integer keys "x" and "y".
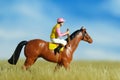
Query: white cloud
{"x": 113, "y": 6}
{"x": 107, "y": 39}
{"x": 100, "y": 54}
{"x": 12, "y": 34}
{"x": 28, "y": 10}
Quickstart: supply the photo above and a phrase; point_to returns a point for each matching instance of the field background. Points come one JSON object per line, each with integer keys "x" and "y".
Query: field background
{"x": 79, "y": 70}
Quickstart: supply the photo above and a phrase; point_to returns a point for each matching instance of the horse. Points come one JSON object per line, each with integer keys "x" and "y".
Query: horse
{"x": 39, "y": 48}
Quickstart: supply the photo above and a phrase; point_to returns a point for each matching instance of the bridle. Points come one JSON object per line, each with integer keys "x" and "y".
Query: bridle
{"x": 83, "y": 36}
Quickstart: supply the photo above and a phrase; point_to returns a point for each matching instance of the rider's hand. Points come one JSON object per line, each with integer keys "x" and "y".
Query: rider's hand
{"x": 68, "y": 32}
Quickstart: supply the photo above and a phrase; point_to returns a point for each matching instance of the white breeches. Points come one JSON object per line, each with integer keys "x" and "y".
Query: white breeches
{"x": 60, "y": 41}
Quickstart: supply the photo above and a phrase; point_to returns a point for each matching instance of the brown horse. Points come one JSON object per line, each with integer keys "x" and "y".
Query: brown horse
{"x": 39, "y": 48}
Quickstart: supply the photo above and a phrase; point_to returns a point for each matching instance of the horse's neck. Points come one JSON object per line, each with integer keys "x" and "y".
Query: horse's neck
{"x": 74, "y": 44}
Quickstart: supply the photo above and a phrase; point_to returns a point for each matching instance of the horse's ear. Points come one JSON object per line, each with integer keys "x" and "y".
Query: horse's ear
{"x": 82, "y": 27}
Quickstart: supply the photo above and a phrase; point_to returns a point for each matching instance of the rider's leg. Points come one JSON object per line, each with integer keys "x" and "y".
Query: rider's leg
{"x": 62, "y": 43}
{"x": 57, "y": 50}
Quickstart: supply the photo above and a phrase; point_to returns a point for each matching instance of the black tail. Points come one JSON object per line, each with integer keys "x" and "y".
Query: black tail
{"x": 14, "y": 58}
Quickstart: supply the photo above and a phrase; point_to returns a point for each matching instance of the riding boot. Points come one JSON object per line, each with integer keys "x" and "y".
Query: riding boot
{"x": 57, "y": 50}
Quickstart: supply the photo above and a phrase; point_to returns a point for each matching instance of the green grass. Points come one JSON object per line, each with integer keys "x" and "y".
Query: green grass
{"x": 79, "y": 70}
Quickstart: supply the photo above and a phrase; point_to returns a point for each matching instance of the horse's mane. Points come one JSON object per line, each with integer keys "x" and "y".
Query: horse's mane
{"x": 72, "y": 36}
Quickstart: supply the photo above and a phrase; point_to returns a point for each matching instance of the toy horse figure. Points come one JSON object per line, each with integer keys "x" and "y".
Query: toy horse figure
{"x": 39, "y": 48}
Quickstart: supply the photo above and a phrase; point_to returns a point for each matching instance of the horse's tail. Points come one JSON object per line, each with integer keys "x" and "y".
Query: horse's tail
{"x": 14, "y": 58}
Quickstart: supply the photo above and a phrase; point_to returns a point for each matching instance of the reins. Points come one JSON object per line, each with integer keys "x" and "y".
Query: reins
{"x": 68, "y": 35}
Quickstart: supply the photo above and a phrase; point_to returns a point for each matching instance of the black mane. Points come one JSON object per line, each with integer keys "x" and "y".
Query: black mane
{"x": 72, "y": 36}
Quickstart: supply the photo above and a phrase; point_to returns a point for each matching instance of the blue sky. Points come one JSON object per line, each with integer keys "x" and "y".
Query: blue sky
{"x": 31, "y": 19}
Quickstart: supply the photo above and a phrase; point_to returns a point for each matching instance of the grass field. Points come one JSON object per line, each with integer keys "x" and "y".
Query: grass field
{"x": 79, "y": 70}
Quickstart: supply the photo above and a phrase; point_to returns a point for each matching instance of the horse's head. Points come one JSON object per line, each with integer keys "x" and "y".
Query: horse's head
{"x": 81, "y": 34}
{"x": 85, "y": 36}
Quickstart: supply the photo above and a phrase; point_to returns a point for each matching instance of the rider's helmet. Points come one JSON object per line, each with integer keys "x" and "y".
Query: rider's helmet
{"x": 60, "y": 20}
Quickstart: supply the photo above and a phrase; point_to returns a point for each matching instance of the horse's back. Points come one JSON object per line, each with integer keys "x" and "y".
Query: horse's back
{"x": 34, "y": 47}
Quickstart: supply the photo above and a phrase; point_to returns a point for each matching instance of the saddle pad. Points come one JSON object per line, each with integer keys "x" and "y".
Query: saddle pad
{"x": 52, "y": 46}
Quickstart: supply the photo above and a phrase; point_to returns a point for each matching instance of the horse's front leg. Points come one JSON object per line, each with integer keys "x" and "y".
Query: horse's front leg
{"x": 66, "y": 65}
{"x": 58, "y": 66}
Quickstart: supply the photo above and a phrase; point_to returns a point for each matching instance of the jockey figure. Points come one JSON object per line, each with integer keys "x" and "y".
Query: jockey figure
{"x": 56, "y": 34}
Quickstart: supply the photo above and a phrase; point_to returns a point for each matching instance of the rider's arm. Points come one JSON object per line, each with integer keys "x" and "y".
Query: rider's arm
{"x": 59, "y": 32}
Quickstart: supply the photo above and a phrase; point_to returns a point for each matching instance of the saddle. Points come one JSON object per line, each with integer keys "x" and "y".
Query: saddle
{"x": 53, "y": 46}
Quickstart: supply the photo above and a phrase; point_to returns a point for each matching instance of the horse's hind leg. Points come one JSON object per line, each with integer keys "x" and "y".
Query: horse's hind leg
{"x": 28, "y": 63}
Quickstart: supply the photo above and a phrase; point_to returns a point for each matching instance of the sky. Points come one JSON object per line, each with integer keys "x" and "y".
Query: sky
{"x": 33, "y": 19}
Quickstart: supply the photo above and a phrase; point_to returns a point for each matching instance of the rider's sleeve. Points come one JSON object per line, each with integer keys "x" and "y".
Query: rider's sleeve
{"x": 59, "y": 33}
